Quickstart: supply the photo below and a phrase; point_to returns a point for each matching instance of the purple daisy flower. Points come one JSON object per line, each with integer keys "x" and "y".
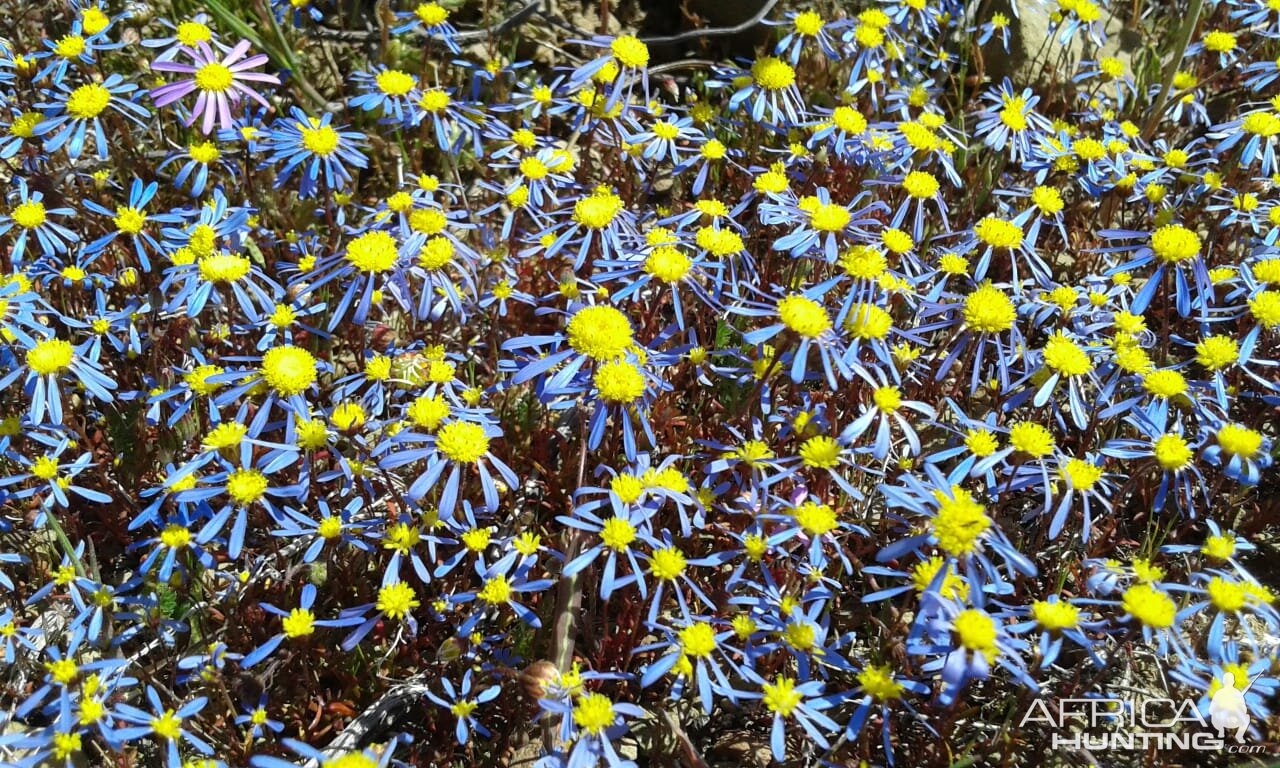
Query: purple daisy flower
{"x": 220, "y": 83}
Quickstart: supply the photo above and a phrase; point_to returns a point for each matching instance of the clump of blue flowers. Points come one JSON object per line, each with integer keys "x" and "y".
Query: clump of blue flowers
{"x": 398, "y": 396}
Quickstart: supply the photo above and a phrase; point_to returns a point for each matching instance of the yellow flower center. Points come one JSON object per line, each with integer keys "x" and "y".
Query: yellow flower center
{"x": 330, "y": 528}
{"x": 714, "y": 149}
{"x": 50, "y": 356}
{"x": 959, "y": 522}
{"x": 803, "y": 316}
{"x": 25, "y": 124}
{"x": 781, "y": 696}
{"x": 1239, "y": 440}
{"x": 245, "y": 486}
{"x": 772, "y": 73}
{"x": 214, "y": 77}
{"x": 1264, "y": 124}
{"x": 863, "y": 262}
{"x": 1218, "y": 41}
{"x": 667, "y": 563}
{"x": 223, "y": 267}
{"x": 393, "y": 82}
{"x": 1268, "y": 270}
{"x": 600, "y": 332}
{"x": 428, "y": 412}
{"x": 191, "y": 33}
{"x": 897, "y": 241}
{"x": 1226, "y": 596}
{"x": 619, "y": 382}
{"x": 436, "y": 253}
{"x": 289, "y": 370}
{"x": 225, "y": 435}
{"x": 698, "y": 640}
{"x": 321, "y": 140}
{"x": 129, "y": 221}
{"x": 1031, "y": 439}
{"x": 829, "y": 217}
{"x": 1089, "y": 149}
{"x": 667, "y": 263}
{"x": 1172, "y": 452}
{"x": 198, "y": 379}
{"x": 1013, "y": 114}
{"x": 299, "y": 623}
{"x": 953, "y": 264}
{"x": 1165, "y": 383}
{"x": 808, "y": 23}
{"x": 396, "y": 601}
{"x": 1149, "y": 606}
{"x": 66, "y": 744}
{"x": 168, "y": 726}
{"x": 868, "y": 36}
{"x": 952, "y": 587}
{"x": 1216, "y": 352}
{"x": 887, "y": 399}
{"x": 1265, "y": 308}
{"x": 347, "y": 417}
{"x": 617, "y": 534}
{"x": 820, "y": 452}
{"x": 402, "y": 538}
{"x": 1174, "y": 243}
{"x": 1048, "y": 200}
{"x": 496, "y": 591}
{"x": 1065, "y": 357}
{"x": 431, "y": 14}
{"x": 878, "y": 682}
{"x": 989, "y": 310}
{"x": 534, "y": 169}
{"x": 718, "y": 242}
{"x": 175, "y": 537}
{"x": 373, "y": 252}
{"x": 593, "y": 713}
{"x": 29, "y": 215}
{"x": 88, "y": 101}
{"x": 597, "y": 210}
{"x": 91, "y": 711}
{"x": 1055, "y": 616}
{"x": 630, "y": 52}
{"x": 463, "y": 709}
{"x": 920, "y": 185}
{"x": 93, "y": 21}
{"x": 45, "y": 468}
{"x": 463, "y": 442}
{"x": 815, "y": 519}
{"x": 998, "y": 233}
{"x": 1081, "y": 475}
{"x": 434, "y": 101}
{"x": 976, "y": 631}
{"x": 69, "y": 47}
{"x": 282, "y": 316}
{"x": 981, "y": 442}
{"x": 477, "y": 539}
{"x": 867, "y": 321}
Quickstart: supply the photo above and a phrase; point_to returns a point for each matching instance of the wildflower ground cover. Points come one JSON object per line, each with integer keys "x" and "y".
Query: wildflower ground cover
{"x": 482, "y": 383}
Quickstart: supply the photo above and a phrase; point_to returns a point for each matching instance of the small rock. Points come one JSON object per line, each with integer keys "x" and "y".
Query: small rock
{"x": 1036, "y": 55}
{"x": 743, "y": 749}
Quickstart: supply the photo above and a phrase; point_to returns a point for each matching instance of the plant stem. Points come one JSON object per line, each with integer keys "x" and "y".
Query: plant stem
{"x": 1171, "y": 68}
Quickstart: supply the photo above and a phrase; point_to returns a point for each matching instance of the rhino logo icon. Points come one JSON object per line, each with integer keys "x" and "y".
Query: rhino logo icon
{"x": 1227, "y": 709}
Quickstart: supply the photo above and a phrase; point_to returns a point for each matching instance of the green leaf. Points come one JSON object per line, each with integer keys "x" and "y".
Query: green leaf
{"x": 724, "y": 333}
{"x": 280, "y": 55}
{"x": 166, "y": 601}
